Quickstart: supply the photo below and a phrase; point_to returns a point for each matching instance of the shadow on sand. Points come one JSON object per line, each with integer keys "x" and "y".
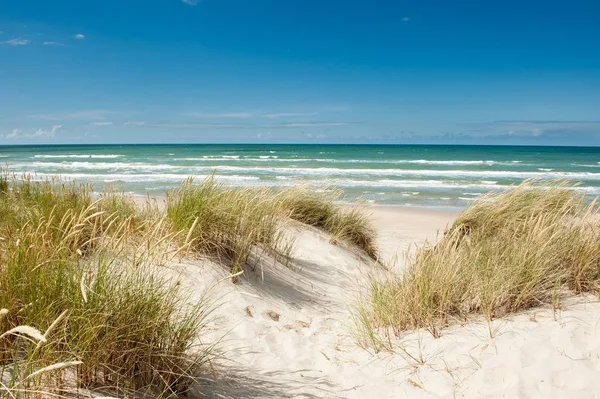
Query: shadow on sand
{"x": 269, "y": 385}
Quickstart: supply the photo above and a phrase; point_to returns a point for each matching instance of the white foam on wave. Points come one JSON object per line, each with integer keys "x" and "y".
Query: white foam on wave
{"x": 210, "y": 158}
{"x": 481, "y": 174}
{"x": 414, "y": 184}
{"x": 322, "y": 171}
{"x": 106, "y": 156}
{"x": 139, "y": 166}
{"x": 443, "y": 185}
{"x": 171, "y": 179}
{"x": 427, "y": 162}
{"x": 148, "y": 177}
{"x": 267, "y": 158}
{"x": 390, "y": 161}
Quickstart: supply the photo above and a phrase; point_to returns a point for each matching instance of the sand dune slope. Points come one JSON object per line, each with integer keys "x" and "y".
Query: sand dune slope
{"x": 288, "y": 333}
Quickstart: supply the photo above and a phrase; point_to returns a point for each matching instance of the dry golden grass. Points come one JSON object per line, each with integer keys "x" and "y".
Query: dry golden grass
{"x": 304, "y": 204}
{"x": 508, "y": 252}
{"x": 230, "y": 224}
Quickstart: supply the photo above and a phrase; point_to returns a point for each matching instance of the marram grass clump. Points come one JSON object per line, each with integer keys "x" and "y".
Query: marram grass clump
{"x": 234, "y": 223}
{"x": 304, "y": 204}
{"x": 229, "y": 224}
{"x": 81, "y": 272}
{"x": 522, "y": 248}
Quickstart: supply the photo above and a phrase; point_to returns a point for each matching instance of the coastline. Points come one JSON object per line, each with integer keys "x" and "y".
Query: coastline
{"x": 432, "y": 176}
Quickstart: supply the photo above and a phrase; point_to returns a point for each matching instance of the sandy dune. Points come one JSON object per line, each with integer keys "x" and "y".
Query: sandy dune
{"x": 288, "y": 332}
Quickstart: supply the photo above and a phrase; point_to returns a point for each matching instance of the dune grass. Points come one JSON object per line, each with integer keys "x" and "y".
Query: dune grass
{"x": 23, "y": 374}
{"x": 234, "y": 223}
{"x": 83, "y": 269}
{"x": 304, "y": 204}
{"x": 225, "y": 223}
{"x": 79, "y": 269}
{"x": 526, "y": 247}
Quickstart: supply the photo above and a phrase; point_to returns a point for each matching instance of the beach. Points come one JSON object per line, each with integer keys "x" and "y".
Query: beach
{"x": 283, "y": 287}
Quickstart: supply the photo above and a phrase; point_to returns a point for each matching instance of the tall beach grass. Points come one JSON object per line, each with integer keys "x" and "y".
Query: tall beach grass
{"x": 526, "y": 247}
{"x": 352, "y": 225}
{"x": 229, "y": 224}
{"x": 80, "y": 270}
{"x": 234, "y": 223}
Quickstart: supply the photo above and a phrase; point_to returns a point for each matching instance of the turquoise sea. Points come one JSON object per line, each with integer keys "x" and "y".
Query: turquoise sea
{"x": 409, "y": 175}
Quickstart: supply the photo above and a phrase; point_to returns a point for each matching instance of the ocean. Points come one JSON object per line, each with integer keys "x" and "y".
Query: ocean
{"x": 408, "y": 175}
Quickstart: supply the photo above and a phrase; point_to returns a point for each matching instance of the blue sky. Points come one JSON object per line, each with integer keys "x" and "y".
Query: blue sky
{"x": 306, "y": 71}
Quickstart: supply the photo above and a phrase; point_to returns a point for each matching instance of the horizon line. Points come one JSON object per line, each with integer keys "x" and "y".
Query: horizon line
{"x": 283, "y": 143}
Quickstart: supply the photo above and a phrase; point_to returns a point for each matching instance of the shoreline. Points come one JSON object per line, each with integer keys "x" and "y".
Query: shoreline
{"x": 140, "y": 199}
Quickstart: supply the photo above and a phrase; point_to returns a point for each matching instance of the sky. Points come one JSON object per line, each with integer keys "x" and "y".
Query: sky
{"x": 300, "y": 71}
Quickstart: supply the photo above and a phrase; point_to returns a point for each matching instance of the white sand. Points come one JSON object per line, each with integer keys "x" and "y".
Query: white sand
{"x": 289, "y": 332}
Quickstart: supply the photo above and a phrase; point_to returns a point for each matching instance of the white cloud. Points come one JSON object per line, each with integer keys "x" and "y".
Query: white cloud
{"x": 221, "y": 115}
{"x": 39, "y": 133}
{"x": 47, "y": 133}
{"x": 284, "y": 114}
{"x": 18, "y": 41}
{"x": 405, "y": 19}
{"x": 316, "y": 124}
{"x": 193, "y": 125}
{"x": 196, "y": 125}
{"x": 102, "y": 123}
{"x": 264, "y": 136}
{"x": 79, "y": 36}
{"x": 534, "y": 128}
{"x": 14, "y": 134}
{"x": 190, "y": 2}
{"x": 314, "y": 136}
{"x": 79, "y": 115}
{"x": 135, "y": 123}
{"x": 58, "y": 44}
